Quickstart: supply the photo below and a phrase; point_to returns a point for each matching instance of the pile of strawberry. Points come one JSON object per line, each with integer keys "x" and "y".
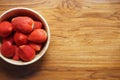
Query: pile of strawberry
{"x": 22, "y": 38}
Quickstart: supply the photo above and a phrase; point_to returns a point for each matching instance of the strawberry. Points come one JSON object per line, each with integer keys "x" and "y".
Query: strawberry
{"x": 38, "y": 36}
{"x": 5, "y": 28}
{"x": 20, "y": 38}
{"x": 23, "y": 24}
{"x": 26, "y": 53}
{"x": 36, "y": 47}
{"x": 16, "y": 55}
{"x": 37, "y": 25}
{"x": 7, "y": 49}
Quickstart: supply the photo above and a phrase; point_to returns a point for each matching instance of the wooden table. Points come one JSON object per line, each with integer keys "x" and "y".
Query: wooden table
{"x": 85, "y": 41}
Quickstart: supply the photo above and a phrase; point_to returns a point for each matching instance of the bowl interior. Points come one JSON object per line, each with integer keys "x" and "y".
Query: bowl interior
{"x": 8, "y": 15}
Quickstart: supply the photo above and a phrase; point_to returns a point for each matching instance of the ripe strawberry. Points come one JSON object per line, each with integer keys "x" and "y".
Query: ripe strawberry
{"x": 38, "y": 36}
{"x": 5, "y": 28}
{"x": 16, "y": 55}
{"x": 20, "y": 38}
{"x": 36, "y": 47}
{"x": 26, "y": 53}
{"x": 7, "y": 49}
{"x": 37, "y": 25}
{"x": 23, "y": 24}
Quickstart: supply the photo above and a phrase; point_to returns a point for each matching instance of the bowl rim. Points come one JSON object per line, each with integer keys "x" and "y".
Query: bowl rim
{"x": 44, "y": 49}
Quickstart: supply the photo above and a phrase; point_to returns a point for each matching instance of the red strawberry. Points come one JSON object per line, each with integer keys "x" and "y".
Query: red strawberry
{"x": 16, "y": 55}
{"x": 37, "y": 25}
{"x": 7, "y": 49}
{"x": 20, "y": 38}
{"x": 5, "y": 28}
{"x": 26, "y": 53}
{"x": 9, "y": 38}
{"x": 23, "y": 24}
{"x": 36, "y": 47}
{"x": 38, "y": 35}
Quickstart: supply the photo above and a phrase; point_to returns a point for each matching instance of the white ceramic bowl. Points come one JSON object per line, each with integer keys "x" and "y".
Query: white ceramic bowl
{"x": 20, "y": 11}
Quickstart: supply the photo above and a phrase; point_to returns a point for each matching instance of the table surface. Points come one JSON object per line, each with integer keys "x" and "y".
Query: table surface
{"x": 85, "y": 41}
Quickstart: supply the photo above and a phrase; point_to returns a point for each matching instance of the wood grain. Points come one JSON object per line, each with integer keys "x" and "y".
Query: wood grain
{"x": 85, "y": 41}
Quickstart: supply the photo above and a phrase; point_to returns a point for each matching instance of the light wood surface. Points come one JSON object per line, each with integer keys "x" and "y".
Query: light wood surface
{"x": 85, "y": 41}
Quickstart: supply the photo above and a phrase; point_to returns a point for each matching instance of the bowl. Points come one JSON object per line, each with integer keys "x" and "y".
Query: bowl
{"x": 21, "y": 11}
